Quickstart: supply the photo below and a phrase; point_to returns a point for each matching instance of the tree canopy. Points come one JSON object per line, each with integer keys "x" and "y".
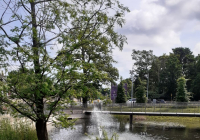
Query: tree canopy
{"x": 165, "y": 70}
{"x": 57, "y": 46}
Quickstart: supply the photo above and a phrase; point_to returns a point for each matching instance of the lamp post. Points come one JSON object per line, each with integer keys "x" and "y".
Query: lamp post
{"x": 148, "y": 68}
{"x": 147, "y": 85}
{"x": 132, "y": 72}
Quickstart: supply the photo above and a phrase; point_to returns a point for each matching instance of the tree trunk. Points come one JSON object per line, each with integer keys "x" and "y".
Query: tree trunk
{"x": 41, "y": 129}
{"x": 85, "y": 102}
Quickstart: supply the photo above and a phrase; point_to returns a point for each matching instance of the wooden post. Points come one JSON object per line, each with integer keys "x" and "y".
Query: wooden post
{"x": 131, "y": 120}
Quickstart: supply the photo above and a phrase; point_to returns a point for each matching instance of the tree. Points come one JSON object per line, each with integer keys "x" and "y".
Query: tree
{"x": 187, "y": 61}
{"x": 173, "y": 72}
{"x": 121, "y": 93}
{"x": 128, "y": 82}
{"x": 143, "y": 61}
{"x": 140, "y": 92}
{"x": 155, "y": 91}
{"x": 182, "y": 95}
{"x": 105, "y": 91}
{"x": 43, "y": 37}
{"x": 195, "y": 88}
{"x": 185, "y": 57}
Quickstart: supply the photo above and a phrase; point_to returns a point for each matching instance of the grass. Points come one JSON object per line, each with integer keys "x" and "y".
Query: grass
{"x": 188, "y": 122}
{"x": 157, "y": 108}
{"x": 17, "y": 130}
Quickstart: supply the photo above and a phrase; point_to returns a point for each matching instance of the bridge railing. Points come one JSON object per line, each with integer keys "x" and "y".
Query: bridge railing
{"x": 191, "y": 107}
{"x": 154, "y": 107}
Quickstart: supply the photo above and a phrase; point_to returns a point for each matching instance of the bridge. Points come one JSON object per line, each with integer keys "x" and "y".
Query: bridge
{"x": 191, "y": 109}
{"x": 146, "y": 114}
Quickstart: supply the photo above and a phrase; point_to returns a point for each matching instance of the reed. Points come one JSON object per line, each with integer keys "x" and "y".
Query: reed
{"x": 16, "y": 130}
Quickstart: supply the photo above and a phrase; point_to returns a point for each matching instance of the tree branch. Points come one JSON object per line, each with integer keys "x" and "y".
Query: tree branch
{"x": 5, "y": 10}
{"x": 44, "y": 1}
{"x": 54, "y": 106}
{"x": 25, "y": 7}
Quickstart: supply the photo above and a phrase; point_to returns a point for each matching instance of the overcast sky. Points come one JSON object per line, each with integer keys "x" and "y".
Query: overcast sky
{"x": 158, "y": 25}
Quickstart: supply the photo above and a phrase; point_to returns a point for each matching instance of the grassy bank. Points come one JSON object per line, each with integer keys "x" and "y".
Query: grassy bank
{"x": 188, "y": 122}
{"x": 157, "y": 108}
{"x": 16, "y": 130}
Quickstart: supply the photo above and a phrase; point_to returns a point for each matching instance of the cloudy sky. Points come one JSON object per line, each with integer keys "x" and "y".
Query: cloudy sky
{"x": 158, "y": 25}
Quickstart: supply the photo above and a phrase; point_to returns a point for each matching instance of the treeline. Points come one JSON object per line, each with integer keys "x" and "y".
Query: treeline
{"x": 164, "y": 71}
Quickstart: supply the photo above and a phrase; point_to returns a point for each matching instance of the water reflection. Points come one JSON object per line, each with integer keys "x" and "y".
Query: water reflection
{"x": 138, "y": 131}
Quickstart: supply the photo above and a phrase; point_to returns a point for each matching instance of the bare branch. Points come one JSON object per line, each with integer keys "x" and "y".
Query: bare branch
{"x": 8, "y": 22}
{"x": 25, "y": 7}
{"x": 44, "y": 1}
{"x": 5, "y": 10}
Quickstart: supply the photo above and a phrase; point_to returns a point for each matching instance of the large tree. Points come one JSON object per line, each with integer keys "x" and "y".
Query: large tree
{"x": 142, "y": 61}
{"x": 185, "y": 58}
{"x": 187, "y": 61}
{"x": 50, "y": 40}
{"x": 195, "y": 88}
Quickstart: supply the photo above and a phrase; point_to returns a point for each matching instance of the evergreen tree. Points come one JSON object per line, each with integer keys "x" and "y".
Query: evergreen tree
{"x": 121, "y": 93}
{"x": 140, "y": 92}
{"x": 182, "y": 95}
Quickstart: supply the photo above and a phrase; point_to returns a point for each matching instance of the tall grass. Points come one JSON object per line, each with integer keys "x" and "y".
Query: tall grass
{"x": 17, "y": 130}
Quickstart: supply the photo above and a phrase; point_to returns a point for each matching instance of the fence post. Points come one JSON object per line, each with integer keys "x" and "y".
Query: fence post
{"x": 72, "y": 110}
{"x": 160, "y": 108}
{"x": 131, "y": 120}
{"x": 82, "y": 108}
{"x": 112, "y": 107}
{"x": 145, "y": 107}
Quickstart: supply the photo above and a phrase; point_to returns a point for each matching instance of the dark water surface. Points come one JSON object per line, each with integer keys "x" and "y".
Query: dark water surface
{"x": 138, "y": 131}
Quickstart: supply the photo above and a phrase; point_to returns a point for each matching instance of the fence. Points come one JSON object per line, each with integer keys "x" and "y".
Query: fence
{"x": 191, "y": 107}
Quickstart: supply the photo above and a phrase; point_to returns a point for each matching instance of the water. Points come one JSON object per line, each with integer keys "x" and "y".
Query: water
{"x": 86, "y": 129}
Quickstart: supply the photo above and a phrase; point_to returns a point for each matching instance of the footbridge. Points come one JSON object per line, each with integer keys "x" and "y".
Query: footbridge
{"x": 191, "y": 109}
{"x": 145, "y": 114}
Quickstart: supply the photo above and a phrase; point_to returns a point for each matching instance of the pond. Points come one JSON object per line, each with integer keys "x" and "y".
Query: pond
{"x": 140, "y": 130}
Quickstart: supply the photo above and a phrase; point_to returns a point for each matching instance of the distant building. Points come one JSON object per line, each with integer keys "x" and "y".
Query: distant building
{"x": 114, "y": 91}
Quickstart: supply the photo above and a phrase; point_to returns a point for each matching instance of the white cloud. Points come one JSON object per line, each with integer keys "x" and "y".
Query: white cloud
{"x": 196, "y": 49}
{"x": 124, "y": 61}
{"x": 158, "y": 25}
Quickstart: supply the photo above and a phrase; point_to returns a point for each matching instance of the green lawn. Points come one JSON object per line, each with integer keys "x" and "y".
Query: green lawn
{"x": 157, "y": 108}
